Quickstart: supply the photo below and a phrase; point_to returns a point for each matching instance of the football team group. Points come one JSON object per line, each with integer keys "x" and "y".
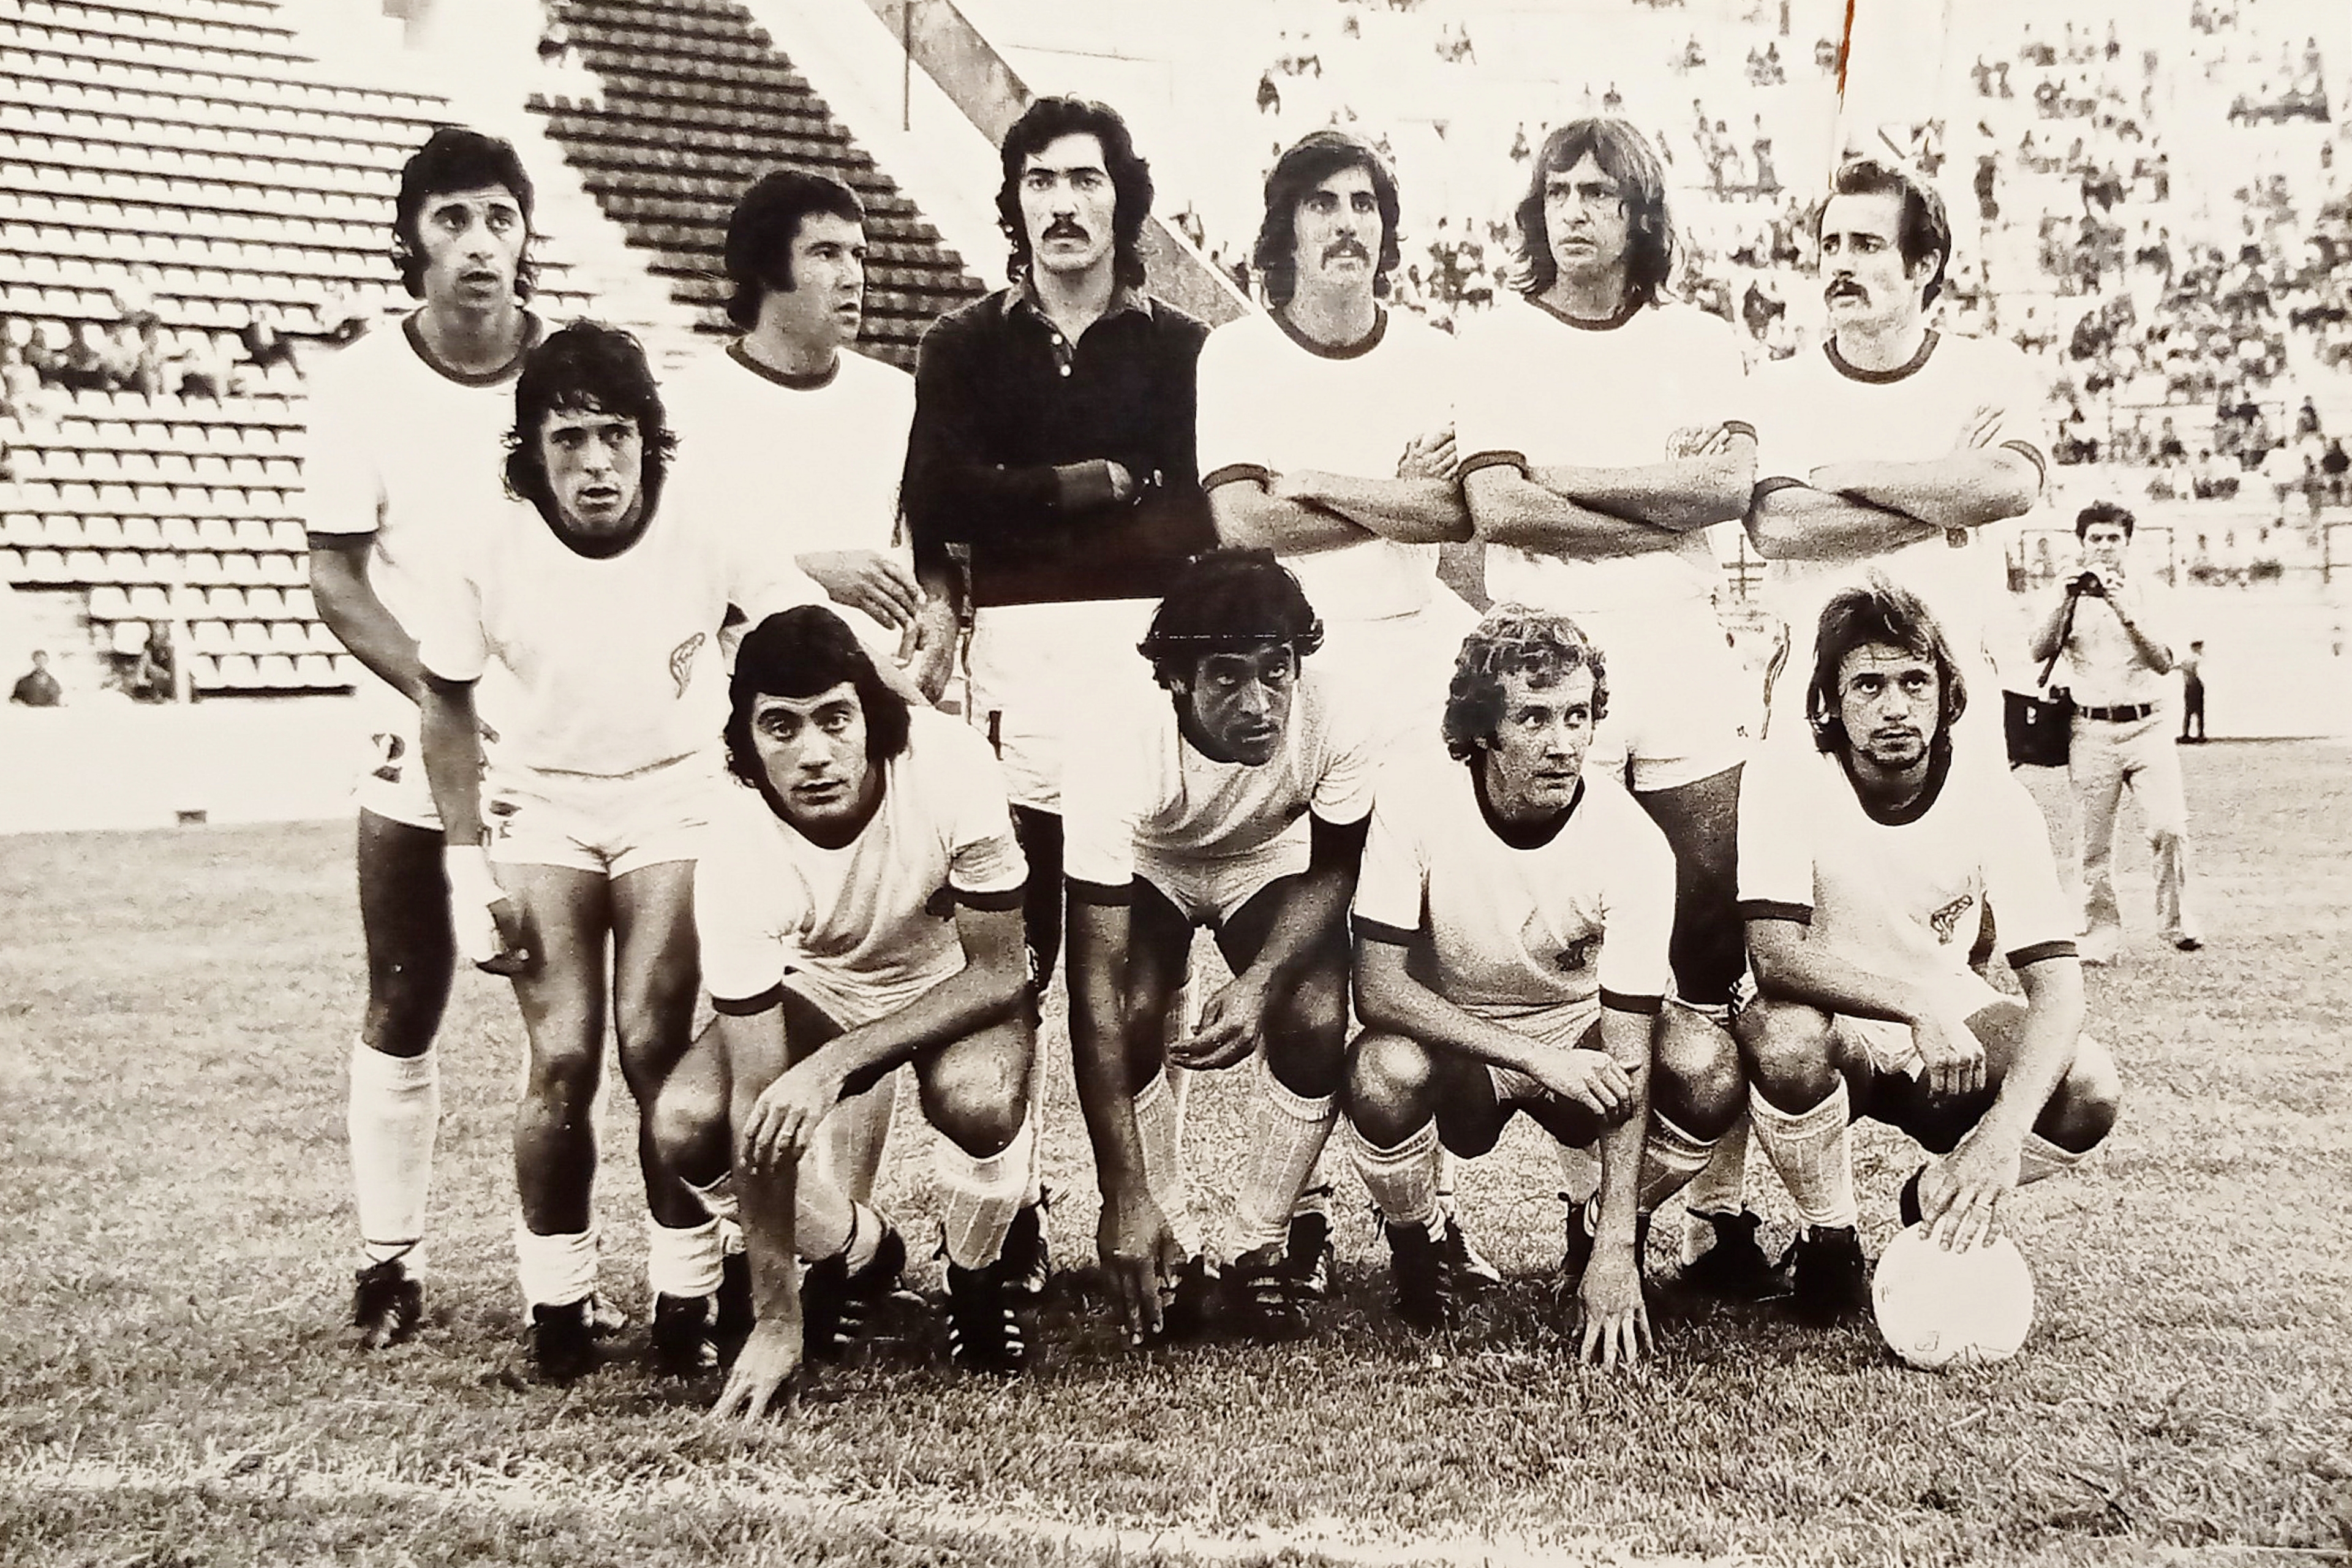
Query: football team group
{"x": 657, "y": 715}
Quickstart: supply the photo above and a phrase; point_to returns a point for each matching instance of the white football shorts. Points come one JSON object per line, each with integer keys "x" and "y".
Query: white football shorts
{"x": 609, "y": 825}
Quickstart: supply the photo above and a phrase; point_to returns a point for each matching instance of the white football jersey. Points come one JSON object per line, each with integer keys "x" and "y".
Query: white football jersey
{"x": 799, "y": 465}
{"x": 876, "y": 917}
{"x": 1272, "y": 402}
{"x": 402, "y": 448}
{"x": 1900, "y": 897}
{"x": 1136, "y": 782}
{"x": 1584, "y": 915}
{"x": 1548, "y": 390}
{"x": 611, "y": 665}
{"x": 1815, "y": 409}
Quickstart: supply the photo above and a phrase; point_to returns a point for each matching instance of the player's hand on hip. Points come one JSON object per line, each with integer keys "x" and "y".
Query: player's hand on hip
{"x": 1954, "y": 1056}
{"x": 1593, "y": 1079}
{"x": 763, "y": 1370}
{"x": 784, "y": 1119}
{"x": 1233, "y": 1022}
{"x": 1139, "y": 1256}
{"x": 866, "y": 579}
{"x": 1961, "y": 1196}
{"x": 1614, "y": 1320}
{"x": 487, "y": 925}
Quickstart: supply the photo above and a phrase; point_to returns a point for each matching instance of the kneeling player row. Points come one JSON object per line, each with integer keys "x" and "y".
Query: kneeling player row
{"x": 856, "y": 903}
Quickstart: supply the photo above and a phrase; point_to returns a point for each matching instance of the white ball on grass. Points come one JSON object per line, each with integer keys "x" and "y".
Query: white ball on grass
{"x": 1939, "y": 1309}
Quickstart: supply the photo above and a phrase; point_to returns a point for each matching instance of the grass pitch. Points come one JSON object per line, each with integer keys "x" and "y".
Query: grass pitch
{"x": 175, "y": 1389}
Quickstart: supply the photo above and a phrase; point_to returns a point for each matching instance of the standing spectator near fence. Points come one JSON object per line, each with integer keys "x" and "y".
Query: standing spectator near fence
{"x": 2111, "y": 626}
{"x": 2192, "y": 692}
{"x": 36, "y": 688}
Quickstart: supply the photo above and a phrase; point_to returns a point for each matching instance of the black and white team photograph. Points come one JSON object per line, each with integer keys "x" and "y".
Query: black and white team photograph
{"x": 1335, "y": 781}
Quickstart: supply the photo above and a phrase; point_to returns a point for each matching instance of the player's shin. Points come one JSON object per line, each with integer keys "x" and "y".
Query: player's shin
{"x": 1160, "y": 1121}
{"x": 984, "y": 1194}
{"x": 1719, "y": 1188}
{"x": 2042, "y": 1159}
{"x": 394, "y": 1112}
{"x": 1287, "y": 1133}
{"x": 1811, "y": 1150}
{"x": 1403, "y": 1181}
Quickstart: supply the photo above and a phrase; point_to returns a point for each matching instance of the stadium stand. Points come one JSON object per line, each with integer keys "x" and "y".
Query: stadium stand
{"x": 188, "y": 206}
{"x": 697, "y": 103}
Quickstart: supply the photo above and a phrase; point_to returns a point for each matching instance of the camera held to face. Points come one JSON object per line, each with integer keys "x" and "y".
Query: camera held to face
{"x": 2089, "y": 582}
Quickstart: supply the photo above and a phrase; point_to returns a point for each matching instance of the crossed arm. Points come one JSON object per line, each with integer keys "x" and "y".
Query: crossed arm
{"x": 1598, "y": 514}
{"x": 1310, "y": 509}
{"x": 1868, "y": 507}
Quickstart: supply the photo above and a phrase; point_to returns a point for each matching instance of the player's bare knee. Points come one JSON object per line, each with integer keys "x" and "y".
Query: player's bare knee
{"x": 1695, "y": 1077}
{"x": 563, "y": 1077}
{"x": 1785, "y": 1049}
{"x": 976, "y": 1099}
{"x": 1389, "y": 1087}
{"x": 687, "y": 1120}
{"x": 1306, "y": 1039}
{"x": 2089, "y": 1102}
{"x": 406, "y": 998}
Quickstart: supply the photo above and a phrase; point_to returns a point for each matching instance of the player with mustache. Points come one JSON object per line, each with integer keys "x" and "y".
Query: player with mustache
{"x": 1327, "y": 436}
{"x": 1052, "y": 456}
{"x": 1893, "y": 447}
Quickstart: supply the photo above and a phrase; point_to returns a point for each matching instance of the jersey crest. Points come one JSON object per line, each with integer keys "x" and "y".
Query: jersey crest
{"x": 1577, "y": 954}
{"x": 681, "y": 662}
{"x": 1946, "y": 919}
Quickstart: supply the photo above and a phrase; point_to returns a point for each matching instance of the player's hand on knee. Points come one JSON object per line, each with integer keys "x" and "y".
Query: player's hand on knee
{"x": 1961, "y": 1196}
{"x": 1593, "y": 1079}
{"x": 1614, "y": 1320}
{"x": 1233, "y": 1022}
{"x": 784, "y": 1120}
{"x": 763, "y": 1370}
{"x": 867, "y": 580}
{"x": 1140, "y": 1257}
{"x": 487, "y": 925}
{"x": 1954, "y": 1056}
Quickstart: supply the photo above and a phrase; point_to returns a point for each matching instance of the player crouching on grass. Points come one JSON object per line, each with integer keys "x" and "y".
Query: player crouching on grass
{"x": 1512, "y": 927}
{"x": 859, "y": 904}
{"x": 1187, "y": 815}
{"x": 1865, "y": 867}
{"x": 600, "y": 610}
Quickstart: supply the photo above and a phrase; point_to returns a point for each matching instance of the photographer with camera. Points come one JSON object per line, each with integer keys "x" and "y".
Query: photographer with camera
{"x": 2112, "y": 629}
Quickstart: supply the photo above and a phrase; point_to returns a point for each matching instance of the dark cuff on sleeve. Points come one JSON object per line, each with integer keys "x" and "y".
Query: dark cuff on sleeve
{"x": 1492, "y": 460}
{"x": 2032, "y": 454}
{"x": 1101, "y": 894}
{"x": 1739, "y": 427}
{"x": 749, "y": 1006}
{"x": 1079, "y": 487}
{"x": 1257, "y": 473}
{"x": 2040, "y": 950}
{"x": 1650, "y": 1005}
{"x": 1765, "y": 910}
{"x": 1000, "y": 902}
{"x": 1374, "y": 931}
{"x": 1777, "y": 482}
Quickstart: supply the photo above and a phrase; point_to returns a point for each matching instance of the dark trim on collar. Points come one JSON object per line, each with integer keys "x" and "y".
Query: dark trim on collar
{"x": 1939, "y": 769}
{"x": 1609, "y": 323}
{"x": 1521, "y": 835}
{"x": 743, "y": 356}
{"x": 1852, "y": 372}
{"x": 1356, "y": 350}
{"x": 533, "y": 328}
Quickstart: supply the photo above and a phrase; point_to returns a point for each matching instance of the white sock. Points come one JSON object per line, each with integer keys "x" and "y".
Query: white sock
{"x": 1287, "y": 1133}
{"x": 1315, "y": 1197}
{"x": 825, "y": 1219}
{"x": 849, "y": 1146}
{"x": 1159, "y": 1118}
{"x": 396, "y": 1111}
{"x": 1579, "y": 1169}
{"x": 1033, "y": 1180}
{"x": 718, "y": 1202}
{"x": 1812, "y": 1153}
{"x": 1721, "y": 1188}
{"x": 1402, "y": 1180}
{"x": 1670, "y": 1158}
{"x": 983, "y": 1196}
{"x": 554, "y": 1270}
{"x": 2041, "y": 1158}
{"x": 685, "y": 1260}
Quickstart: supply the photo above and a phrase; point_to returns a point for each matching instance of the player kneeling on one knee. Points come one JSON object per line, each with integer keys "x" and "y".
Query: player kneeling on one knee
{"x": 1512, "y": 926}
{"x": 858, "y": 905}
{"x": 1865, "y": 868}
{"x": 1188, "y": 816}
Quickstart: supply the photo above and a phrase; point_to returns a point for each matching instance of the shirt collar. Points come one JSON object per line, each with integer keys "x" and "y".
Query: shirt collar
{"x": 1023, "y": 296}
